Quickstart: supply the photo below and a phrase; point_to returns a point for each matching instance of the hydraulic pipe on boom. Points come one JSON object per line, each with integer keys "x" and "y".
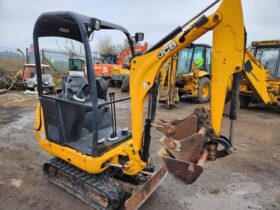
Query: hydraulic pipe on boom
{"x": 228, "y": 54}
{"x": 187, "y": 143}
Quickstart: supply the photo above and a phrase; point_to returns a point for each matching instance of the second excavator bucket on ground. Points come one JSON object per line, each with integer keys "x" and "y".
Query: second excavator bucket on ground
{"x": 183, "y": 146}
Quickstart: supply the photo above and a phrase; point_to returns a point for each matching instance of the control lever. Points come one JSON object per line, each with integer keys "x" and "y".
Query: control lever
{"x": 113, "y": 135}
{"x": 66, "y": 87}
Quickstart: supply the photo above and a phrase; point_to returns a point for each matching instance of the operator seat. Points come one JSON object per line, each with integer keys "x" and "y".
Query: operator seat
{"x": 74, "y": 84}
{"x": 76, "y": 119}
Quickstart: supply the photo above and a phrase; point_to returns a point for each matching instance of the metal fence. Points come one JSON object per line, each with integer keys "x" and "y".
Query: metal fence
{"x": 58, "y": 60}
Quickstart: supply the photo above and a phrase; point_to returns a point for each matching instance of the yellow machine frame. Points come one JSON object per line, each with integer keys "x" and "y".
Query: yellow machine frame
{"x": 168, "y": 92}
{"x": 227, "y": 59}
{"x": 258, "y": 82}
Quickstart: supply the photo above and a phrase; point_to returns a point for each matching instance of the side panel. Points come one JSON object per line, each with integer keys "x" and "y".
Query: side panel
{"x": 227, "y": 57}
{"x": 257, "y": 77}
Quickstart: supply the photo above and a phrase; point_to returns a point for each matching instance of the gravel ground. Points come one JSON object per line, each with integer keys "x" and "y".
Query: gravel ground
{"x": 248, "y": 179}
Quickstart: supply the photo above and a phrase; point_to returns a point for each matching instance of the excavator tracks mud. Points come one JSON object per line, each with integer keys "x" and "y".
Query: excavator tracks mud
{"x": 103, "y": 191}
{"x": 91, "y": 189}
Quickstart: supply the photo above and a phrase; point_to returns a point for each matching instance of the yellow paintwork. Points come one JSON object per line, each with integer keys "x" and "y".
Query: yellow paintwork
{"x": 205, "y": 90}
{"x": 201, "y": 73}
{"x": 168, "y": 92}
{"x": 87, "y": 163}
{"x": 258, "y": 78}
{"x": 266, "y": 43}
{"x": 119, "y": 71}
{"x": 228, "y": 52}
{"x": 191, "y": 81}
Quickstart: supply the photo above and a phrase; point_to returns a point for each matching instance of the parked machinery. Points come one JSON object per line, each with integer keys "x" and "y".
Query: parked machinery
{"x": 261, "y": 81}
{"x": 108, "y": 167}
{"x": 193, "y": 72}
{"x": 120, "y": 74}
{"x": 186, "y": 74}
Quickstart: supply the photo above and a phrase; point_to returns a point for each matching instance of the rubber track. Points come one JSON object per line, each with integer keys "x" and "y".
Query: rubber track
{"x": 95, "y": 190}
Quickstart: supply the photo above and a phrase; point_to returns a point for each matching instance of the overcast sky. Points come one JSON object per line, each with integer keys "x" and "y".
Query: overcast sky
{"x": 155, "y": 18}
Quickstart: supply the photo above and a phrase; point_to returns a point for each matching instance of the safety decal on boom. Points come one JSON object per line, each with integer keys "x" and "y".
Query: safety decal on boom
{"x": 166, "y": 49}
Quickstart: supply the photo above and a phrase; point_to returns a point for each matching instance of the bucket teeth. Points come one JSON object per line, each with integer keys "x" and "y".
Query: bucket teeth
{"x": 183, "y": 146}
{"x": 188, "y": 149}
{"x": 177, "y": 129}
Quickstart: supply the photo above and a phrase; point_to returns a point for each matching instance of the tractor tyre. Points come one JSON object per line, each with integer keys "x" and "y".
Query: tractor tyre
{"x": 203, "y": 91}
{"x": 110, "y": 83}
{"x": 244, "y": 101}
{"x": 125, "y": 84}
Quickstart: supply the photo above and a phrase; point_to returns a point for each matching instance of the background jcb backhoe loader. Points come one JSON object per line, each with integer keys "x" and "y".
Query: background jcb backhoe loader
{"x": 109, "y": 167}
{"x": 261, "y": 81}
{"x": 186, "y": 74}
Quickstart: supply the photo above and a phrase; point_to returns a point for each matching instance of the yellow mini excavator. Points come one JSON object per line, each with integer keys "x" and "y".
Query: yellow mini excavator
{"x": 108, "y": 167}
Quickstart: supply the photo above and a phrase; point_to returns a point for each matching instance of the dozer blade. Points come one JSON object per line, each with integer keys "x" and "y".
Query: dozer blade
{"x": 143, "y": 193}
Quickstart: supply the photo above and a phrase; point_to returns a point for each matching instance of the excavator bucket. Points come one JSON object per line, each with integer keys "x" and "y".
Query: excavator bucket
{"x": 183, "y": 146}
{"x": 187, "y": 171}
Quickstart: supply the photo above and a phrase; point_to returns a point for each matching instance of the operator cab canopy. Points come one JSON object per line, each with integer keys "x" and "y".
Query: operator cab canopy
{"x": 68, "y": 25}
{"x": 77, "y": 27}
{"x": 84, "y": 117}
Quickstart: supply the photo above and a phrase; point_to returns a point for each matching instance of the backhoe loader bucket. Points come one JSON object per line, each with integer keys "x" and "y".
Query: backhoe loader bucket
{"x": 183, "y": 151}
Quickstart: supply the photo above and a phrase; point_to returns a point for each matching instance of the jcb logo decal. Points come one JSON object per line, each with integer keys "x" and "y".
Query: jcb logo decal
{"x": 168, "y": 48}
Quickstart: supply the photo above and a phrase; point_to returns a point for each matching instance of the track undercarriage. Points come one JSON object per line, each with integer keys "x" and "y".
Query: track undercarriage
{"x": 108, "y": 190}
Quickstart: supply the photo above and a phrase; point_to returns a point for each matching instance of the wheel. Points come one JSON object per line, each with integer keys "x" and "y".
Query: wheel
{"x": 51, "y": 89}
{"x": 6, "y": 82}
{"x": 244, "y": 101}
{"x": 203, "y": 90}
{"x": 111, "y": 83}
{"x": 125, "y": 84}
{"x": 180, "y": 94}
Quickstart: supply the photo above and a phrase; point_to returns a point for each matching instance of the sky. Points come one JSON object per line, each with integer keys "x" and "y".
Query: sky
{"x": 155, "y": 18}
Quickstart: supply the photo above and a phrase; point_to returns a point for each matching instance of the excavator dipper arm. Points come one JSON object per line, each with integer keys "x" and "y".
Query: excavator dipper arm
{"x": 228, "y": 54}
{"x": 86, "y": 176}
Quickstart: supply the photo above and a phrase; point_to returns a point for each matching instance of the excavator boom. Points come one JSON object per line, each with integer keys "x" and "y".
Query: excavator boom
{"x": 228, "y": 54}
{"x": 105, "y": 168}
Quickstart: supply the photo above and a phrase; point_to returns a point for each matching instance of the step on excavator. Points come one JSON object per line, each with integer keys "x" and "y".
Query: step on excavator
{"x": 108, "y": 167}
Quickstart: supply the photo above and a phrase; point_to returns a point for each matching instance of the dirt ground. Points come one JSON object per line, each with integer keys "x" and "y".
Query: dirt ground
{"x": 248, "y": 179}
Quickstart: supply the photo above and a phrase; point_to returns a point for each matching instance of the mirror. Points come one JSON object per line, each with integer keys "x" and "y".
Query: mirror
{"x": 95, "y": 24}
{"x": 139, "y": 36}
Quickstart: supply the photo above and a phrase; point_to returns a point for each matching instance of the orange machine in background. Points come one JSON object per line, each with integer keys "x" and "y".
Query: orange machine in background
{"x": 125, "y": 55}
{"x": 109, "y": 62}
